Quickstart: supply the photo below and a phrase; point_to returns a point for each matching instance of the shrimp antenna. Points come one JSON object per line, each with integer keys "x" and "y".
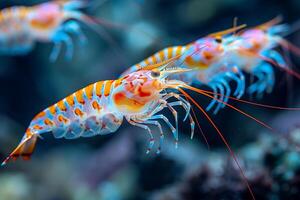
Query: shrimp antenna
{"x": 223, "y": 139}
{"x": 289, "y": 46}
{"x": 227, "y": 31}
{"x": 253, "y": 103}
{"x": 229, "y": 105}
{"x": 278, "y": 19}
{"x": 199, "y": 126}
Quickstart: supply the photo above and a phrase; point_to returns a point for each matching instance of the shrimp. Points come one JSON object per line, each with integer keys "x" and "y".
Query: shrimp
{"x": 253, "y": 52}
{"x": 100, "y": 108}
{"x": 21, "y": 27}
{"x": 209, "y": 64}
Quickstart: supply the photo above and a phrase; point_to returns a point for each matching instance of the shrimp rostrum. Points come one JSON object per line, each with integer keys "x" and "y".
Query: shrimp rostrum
{"x": 55, "y": 21}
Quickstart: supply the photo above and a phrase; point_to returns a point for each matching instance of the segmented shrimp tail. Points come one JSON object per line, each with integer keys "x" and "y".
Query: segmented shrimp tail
{"x": 24, "y": 149}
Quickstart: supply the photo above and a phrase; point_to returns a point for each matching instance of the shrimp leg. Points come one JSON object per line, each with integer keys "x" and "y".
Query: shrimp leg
{"x": 151, "y": 141}
{"x": 166, "y": 120}
{"x": 227, "y": 93}
{"x": 73, "y": 27}
{"x": 266, "y": 79}
{"x": 276, "y": 57}
{"x": 161, "y": 136}
{"x": 221, "y": 89}
{"x": 59, "y": 38}
{"x": 192, "y": 122}
{"x": 241, "y": 82}
{"x": 214, "y": 88}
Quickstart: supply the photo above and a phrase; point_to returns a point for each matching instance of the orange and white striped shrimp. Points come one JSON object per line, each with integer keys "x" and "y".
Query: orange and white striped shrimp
{"x": 209, "y": 64}
{"x": 100, "y": 108}
{"x": 21, "y": 27}
{"x": 253, "y": 52}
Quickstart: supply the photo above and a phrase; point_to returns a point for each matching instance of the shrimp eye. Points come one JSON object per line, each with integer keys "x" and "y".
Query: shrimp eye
{"x": 155, "y": 74}
{"x": 218, "y": 40}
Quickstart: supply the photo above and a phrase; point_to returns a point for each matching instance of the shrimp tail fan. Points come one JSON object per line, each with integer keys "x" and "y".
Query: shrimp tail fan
{"x": 24, "y": 149}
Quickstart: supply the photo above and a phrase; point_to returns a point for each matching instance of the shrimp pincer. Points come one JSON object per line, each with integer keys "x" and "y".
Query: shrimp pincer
{"x": 21, "y": 27}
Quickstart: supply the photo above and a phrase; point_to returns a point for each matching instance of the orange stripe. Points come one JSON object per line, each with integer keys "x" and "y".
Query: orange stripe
{"x": 52, "y": 110}
{"x": 48, "y": 122}
{"x": 99, "y": 86}
{"x": 22, "y": 12}
{"x": 40, "y": 115}
{"x": 62, "y": 119}
{"x": 161, "y": 55}
{"x": 117, "y": 82}
{"x": 178, "y": 50}
{"x": 96, "y": 105}
{"x": 37, "y": 127}
{"x": 170, "y": 50}
{"x": 1, "y": 15}
{"x": 147, "y": 62}
{"x": 154, "y": 60}
{"x": 107, "y": 87}
{"x": 78, "y": 112}
{"x": 79, "y": 96}
{"x": 70, "y": 100}
{"x": 61, "y": 105}
{"x": 89, "y": 91}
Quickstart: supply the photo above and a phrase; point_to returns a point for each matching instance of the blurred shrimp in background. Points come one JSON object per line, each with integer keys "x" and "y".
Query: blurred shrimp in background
{"x": 115, "y": 166}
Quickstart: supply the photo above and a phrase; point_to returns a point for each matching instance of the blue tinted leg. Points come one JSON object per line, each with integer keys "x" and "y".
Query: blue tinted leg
{"x": 74, "y": 27}
{"x": 227, "y": 92}
{"x": 277, "y": 57}
{"x": 156, "y": 123}
{"x": 55, "y": 51}
{"x": 266, "y": 79}
{"x": 221, "y": 98}
{"x": 174, "y": 132}
{"x": 151, "y": 141}
{"x": 238, "y": 76}
{"x": 187, "y": 109}
{"x": 212, "y": 103}
{"x": 253, "y": 87}
{"x": 242, "y": 81}
{"x": 62, "y": 37}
